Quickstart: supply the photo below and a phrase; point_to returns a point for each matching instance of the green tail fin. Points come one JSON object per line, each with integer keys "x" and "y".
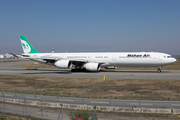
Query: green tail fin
{"x": 27, "y": 47}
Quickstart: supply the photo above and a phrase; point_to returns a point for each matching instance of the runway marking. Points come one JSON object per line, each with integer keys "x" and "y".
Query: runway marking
{"x": 175, "y": 104}
{"x": 32, "y": 97}
{"x": 65, "y": 100}
{"x": 99, "y": 102}
{"x": 7, "y": 71}
{"x": 8, "y": 95}
{"x": 141, "y": 104}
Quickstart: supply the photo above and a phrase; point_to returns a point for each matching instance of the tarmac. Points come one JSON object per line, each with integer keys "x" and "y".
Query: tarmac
{"x": 10, "y": 68}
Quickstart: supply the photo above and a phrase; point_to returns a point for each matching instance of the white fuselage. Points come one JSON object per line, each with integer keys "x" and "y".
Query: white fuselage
{"x": 111, "y": 58}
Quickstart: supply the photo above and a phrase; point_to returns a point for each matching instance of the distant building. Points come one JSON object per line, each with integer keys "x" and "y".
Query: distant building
{"x": 1, "y": 56}
{"x": 52, "y": 50}
{"x": 9, "y": 56}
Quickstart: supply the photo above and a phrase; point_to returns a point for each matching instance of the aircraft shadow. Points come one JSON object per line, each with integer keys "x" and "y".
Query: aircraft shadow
{"x": 47, "y": 73}
{"x": 69, "y": 71}
{"x": 135, "y": 71}
{"x": 101, "y": 71}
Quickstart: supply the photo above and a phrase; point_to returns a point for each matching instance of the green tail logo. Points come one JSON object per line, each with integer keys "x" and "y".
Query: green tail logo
{"x": 27, "y": 47}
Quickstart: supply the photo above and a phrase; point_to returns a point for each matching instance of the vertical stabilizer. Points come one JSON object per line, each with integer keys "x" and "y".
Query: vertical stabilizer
{"x": 27, "y": 47}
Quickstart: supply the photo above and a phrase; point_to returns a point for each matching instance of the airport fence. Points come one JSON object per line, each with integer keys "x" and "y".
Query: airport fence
{"x": 23, "y": 110}
{"x": 78, "y": 90}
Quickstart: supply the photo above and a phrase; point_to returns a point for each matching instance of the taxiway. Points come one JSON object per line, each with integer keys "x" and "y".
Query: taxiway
{"x": 10, "y": 68}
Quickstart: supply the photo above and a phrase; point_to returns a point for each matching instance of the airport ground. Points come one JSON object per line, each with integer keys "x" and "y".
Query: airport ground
{"x": 124, "y": 83}
{"x": 93, "y": 87}
{"x": 27, "y": 68}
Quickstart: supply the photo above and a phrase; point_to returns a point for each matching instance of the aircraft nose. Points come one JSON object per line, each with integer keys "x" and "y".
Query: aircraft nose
{"x": 174, "y": 60}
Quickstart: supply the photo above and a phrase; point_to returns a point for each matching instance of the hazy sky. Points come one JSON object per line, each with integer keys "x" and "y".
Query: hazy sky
{"x": 88, "y": 25}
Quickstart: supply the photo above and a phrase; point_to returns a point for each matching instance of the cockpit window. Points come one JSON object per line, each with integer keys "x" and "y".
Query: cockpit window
{"x": 168, "y": 56}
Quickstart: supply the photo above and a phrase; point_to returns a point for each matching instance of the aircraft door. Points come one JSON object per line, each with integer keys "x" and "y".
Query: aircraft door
{"x": 114, "y": 57}
{"x": 90, "y": 58}
{"x": 159, "y": 57}
{"x": 63, "y": 56}
{"x": 114, "y": 60}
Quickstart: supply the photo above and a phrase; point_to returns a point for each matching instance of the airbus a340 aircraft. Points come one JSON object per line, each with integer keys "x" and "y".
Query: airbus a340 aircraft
{"x": 94, "y": 61}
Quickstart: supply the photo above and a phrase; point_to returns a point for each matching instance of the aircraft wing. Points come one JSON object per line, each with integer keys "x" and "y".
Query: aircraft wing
{"x": 50, "y": 60}
{"x": 85, "y": 61}
{"x": 74, "y": 61}
{"x": 15, "y": 55}
{"x": 54, "y": 59}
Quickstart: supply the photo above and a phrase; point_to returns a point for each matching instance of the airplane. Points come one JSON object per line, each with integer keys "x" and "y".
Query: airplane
{"x": 95, "y": 60}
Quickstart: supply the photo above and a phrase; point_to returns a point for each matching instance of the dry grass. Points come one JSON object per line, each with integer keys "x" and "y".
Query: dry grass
{"x": 9, "y": 117}
{"x": 93, "y": 88}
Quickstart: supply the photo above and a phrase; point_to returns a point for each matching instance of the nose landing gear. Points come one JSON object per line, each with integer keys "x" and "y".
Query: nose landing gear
{"x": 159, "y": 69}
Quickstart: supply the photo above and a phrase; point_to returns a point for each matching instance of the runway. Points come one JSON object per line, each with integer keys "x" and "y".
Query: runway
{"x": 10, "y": 68}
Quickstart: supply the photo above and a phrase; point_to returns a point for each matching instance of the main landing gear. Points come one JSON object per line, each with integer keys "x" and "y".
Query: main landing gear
{"x": 159, "y": 69}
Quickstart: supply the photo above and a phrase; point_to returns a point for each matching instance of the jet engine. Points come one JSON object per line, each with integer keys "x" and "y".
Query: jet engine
{"x": 92, "y": 66}
{"x": 64, "y": 64}
{"x": 111, "y": 67}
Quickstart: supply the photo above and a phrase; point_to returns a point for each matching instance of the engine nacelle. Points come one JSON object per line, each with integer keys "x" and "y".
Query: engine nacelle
{"x": 111, "y": 67}
{"x": 64, "y": 64}
{"x": 92, "y": 66}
